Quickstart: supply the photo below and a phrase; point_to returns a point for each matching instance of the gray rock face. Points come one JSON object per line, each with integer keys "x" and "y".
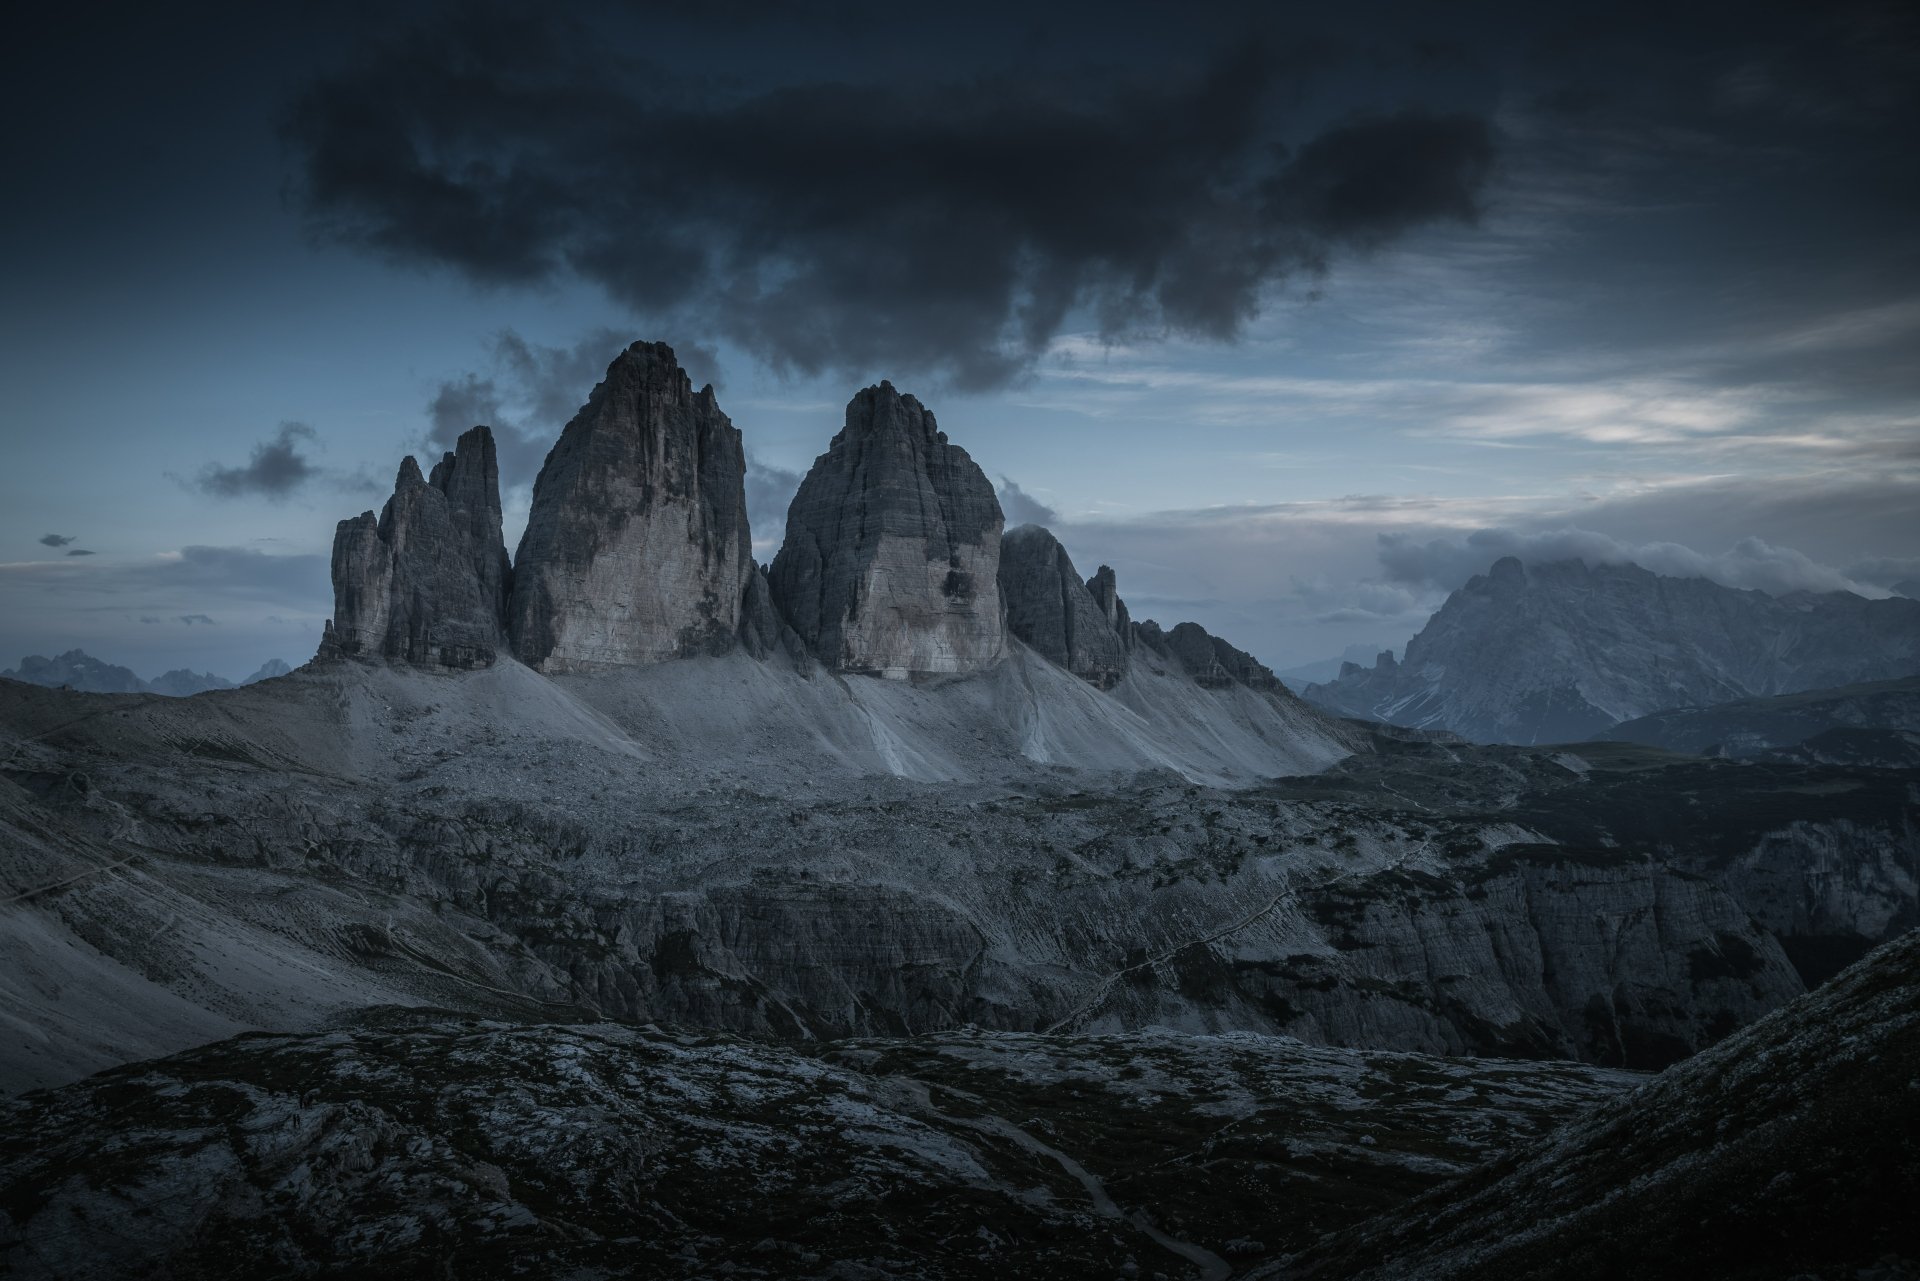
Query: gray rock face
{"x": 892, "y": 555}
{"x": 637, "y": 548}
{"x": 1213, "y": 662}
{"x": 1561, "y": 651}
{"x": 1051, "y": 610}
{"x": 1106, "y": 598}
{"x": 763, "y": 633}
{"x": 427, "y": 581}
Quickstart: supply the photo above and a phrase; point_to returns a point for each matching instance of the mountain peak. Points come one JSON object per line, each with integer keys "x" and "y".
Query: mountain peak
{"x": 1562, "y": 651}
{"x": 892, "y": 554}
{"x": 637, "y": 548}
{"x": 426, "y": 582}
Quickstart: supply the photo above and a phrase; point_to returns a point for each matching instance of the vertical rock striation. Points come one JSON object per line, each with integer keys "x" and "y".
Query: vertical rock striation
{"x": 637, "y": 548}
{"x": 1051, "y": 610}
{"x": 892, "y": 554}
{"x": 1106, "y": 597}
{"x": 427, "y": 582}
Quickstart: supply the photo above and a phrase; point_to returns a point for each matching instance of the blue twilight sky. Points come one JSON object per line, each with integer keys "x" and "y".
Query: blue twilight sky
{"x": 1296, "y": 320}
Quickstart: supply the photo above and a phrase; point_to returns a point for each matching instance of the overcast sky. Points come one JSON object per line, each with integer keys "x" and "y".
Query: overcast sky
{"x": 1295, "y": 320}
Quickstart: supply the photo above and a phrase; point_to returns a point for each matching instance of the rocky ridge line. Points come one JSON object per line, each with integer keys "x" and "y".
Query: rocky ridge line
{"x": 426, "y": 582}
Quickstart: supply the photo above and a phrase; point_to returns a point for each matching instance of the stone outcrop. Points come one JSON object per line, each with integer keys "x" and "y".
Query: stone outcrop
{"x": 1106, "y": 598}
{"x": 892, "y": 553}
{"x": 427, "y": 581}
{"x": 1211, "y": 661}
{"x": 763, "y": 633}
{"x": 1054, "y": 612}
{"x": 637, "y": 547}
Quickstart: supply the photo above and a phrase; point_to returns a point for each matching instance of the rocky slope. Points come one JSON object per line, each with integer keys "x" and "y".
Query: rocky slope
{"x": 1055, "y": 613}
{"x": 426, "y": 582}
{"x": 637, "y": 548}
{"x": 892, "y": 553}
{"x": 1756, "y": 726}
{"x": 1562, "y": 651}
{"x": 1791, "y": 1149}
{"x": 416, "y": 1147}
{"x": 730, "y": 844}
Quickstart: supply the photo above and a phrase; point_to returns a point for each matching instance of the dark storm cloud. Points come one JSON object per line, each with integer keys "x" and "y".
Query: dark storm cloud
{"x": 79, "y": 551}
{"x": 1366, "y": 182}
{"x": 191, "y": 619}
{"x": 57, "y": 540}
{"x": 943, "y": 229}
{"x": 276, "y": 469}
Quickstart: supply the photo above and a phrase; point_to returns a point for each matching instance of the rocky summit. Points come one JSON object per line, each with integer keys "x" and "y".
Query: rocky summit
{"x": 427, "y": 581}
{"x": 1560, "y": 651}
{"x": 1054, "y": 613}
{"x": 892, "y": 554}
{"x": 637, "y": 548}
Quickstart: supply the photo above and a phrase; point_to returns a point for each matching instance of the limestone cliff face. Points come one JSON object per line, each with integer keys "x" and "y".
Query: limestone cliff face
{"x": 637, "y": 547}
{"x": 426, "y": 582}
{"x": 1105, "y": 591}
{"x": 892, "y": 555}
{"x": 1054, "y": 612}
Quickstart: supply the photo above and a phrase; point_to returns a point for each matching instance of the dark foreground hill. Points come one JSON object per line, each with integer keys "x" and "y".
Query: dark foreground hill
{"x": 1791, "y": 1149}
{"x": 447, "y": 1148}
{"x": 415, "y": 1144}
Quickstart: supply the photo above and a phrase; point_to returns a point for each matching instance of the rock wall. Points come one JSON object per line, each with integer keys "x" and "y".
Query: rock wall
{"x": 1052, "y": 611}
{"x": 892, "y": 553}
{"x": 637, "y": 548}
{"x": 427, "y": 581}
{"x": 1106, "y": 598}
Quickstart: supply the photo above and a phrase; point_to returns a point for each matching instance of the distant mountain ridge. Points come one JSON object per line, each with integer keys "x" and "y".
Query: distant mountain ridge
{"x": 1561, "y": 651}
{"x": 78, "y": 670}
{"x": 1757, "y": 726}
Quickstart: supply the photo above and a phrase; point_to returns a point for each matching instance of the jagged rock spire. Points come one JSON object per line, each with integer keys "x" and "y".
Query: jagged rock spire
{"x": 1055, "y": 613}
{"x": 892, "y": 552}
{"x": 637, "y": 548}
{"x": 427, "y": 581}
